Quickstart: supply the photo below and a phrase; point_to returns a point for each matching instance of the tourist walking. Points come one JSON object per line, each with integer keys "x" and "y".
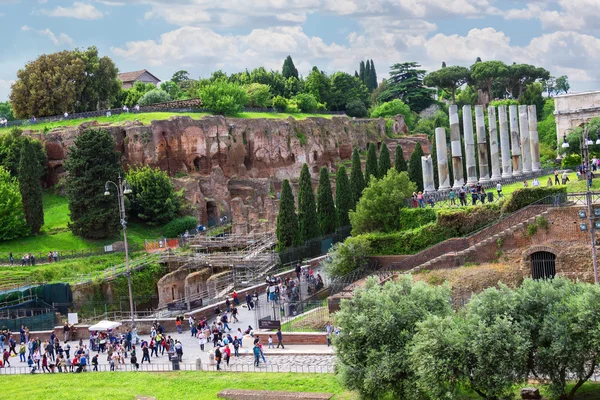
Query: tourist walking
{"x": 256, "y": 351}
{"x": 499, "y": 189}
{"x": 280, "y": 339}
{"x": 328, "y": 330}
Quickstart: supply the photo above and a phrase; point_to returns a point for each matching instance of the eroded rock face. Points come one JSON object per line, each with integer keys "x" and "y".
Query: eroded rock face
{"x": 229, "y": 166}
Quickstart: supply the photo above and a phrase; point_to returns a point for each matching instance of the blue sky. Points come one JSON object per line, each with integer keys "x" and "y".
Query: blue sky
{"x": 203, "y": 35}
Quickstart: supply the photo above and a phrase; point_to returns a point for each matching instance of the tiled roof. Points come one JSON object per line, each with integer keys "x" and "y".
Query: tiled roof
{"x": 132, "y": 76}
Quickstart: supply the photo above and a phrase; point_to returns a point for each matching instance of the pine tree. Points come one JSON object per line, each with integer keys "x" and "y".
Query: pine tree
{"x": 415, "y": 168}
{"x": 384, "y": 161}
{"x": 357, "y": 179}
{"x": 371, "y": 165}
{"x": 325, "y": 206}
{"x": 356, "y": 74}
{"x": 443, "y": 64}
{"x": 343, "y": 197}
{"x": 361, "y": 71}
{"x": 307, "y": 210}
{"x": 367, "y": 80}
{"x": 287, "y": 220}
{"x": 289, "y": 69}
{"x": 374, "y": 82}
{"x": 30, "y": 175}
{"x": 399, "y": 161}
{"x": 93, "y": 161}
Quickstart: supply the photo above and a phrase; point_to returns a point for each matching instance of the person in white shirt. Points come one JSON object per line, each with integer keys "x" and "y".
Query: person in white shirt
{"x": 535, "y": 183}
{"x": 499, "y": 189}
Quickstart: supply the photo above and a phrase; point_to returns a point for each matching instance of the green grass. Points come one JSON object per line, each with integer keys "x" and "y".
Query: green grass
{"x": 55, "y": 234}
{"x": 165, "y": 385}
{"x": 146, "y": 118}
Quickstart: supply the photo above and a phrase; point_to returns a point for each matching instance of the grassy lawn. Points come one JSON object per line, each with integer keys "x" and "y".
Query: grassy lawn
{"x": 55, "y": 234}
{"x": 146, "y": 118}
{"x": 166, "y": 385}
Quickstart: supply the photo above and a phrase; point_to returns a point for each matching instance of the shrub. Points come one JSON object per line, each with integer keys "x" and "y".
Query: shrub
{"x": 178, "y": 226}
{"x": 504, "y": 102}
{"x": 532, "y": 229}
{"x": 465, "y": 220}
{"x": 526, "y": 196}
{"x": 571, "y": 161}
{"x": 153, "y": 199}
{"x": 412, "y": 218}
{"x": 356, "y": 108}
{"x": 307, "y": 103}
{"x": 259, "y": 95}
{"x": 292, "y": 107}
{"x": 222, "y": 97}
{"x": 347, "y": 256}
{"x": 280, "y": 103}
{"x": 153, "y": 97}
{"x": 393, "y": 108}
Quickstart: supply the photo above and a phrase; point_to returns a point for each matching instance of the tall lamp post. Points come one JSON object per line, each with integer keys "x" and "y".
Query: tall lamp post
{"x": 122, "y": 190}
{"x": 586, "y": 141}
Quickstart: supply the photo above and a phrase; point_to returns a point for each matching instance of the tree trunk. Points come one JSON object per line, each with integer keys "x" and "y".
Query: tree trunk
{"x": 582, "y": 381}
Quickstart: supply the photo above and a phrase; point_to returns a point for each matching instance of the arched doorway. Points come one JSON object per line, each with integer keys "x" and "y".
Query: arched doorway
{"x": 543, "y": 265}
{"x": 212, "y": 213}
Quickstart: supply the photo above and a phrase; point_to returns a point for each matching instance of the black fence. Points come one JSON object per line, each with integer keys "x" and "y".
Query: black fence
{"x": 314, "y": 247}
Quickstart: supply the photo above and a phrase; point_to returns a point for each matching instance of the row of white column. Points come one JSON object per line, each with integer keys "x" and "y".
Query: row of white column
{"x": 519, "y": 147}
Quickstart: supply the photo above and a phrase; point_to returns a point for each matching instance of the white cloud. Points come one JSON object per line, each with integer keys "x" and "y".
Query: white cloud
{"x": 78, "y": 10}
{"x": 61, "y": 39}
{"x": 25, "y": 28}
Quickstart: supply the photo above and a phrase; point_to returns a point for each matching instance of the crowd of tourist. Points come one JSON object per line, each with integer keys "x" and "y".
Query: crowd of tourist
{"x": 28, "y": 259}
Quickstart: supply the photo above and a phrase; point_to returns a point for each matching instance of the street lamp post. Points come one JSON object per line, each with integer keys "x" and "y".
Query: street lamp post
{"x": 122, "y": 190}
{"x": 588, "y": 194}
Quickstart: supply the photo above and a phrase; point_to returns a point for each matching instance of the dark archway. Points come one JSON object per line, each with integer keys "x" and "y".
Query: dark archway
{"x": 212, "y": 213}
{"x": 543, "y": 265}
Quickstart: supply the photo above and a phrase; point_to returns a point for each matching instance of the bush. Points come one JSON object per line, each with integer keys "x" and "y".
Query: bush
{"x": 307, "y": 103}
{"x": 356, "y": 108}
{"x": 466, "y": 220}
{"x": 393, "y": 108}
{"x": 571, "y": 161}
{"x": 292, "y": 107}
{"x": 222, "y": 97}
{"x": 280, "y": 103}
{"x": 259, "y": 95}
{"x": 178, "y": 226}
{"x": 412, "y": 218}
{"x": 526, "y": 196}
{"x": 153, "y": 199}
{"x": 504, "y": 102}
{"x": 347, "y": 256}
{"x": 153, "y": 97}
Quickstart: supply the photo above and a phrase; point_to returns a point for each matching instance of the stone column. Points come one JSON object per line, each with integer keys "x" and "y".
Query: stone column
{"x": 507, "y": 170}
{"x": 469, "y": 145}
{"x": 442, "y": 158}
{"x": 428, "y": 182}
{"x": 484, "y": 169}
{"x": 525, "y": 145}
{"x": 456, "y": 147}
{"x": 495, "y": 157}
{"x": 515, "y": 141}
{"x": 534, "y": 140}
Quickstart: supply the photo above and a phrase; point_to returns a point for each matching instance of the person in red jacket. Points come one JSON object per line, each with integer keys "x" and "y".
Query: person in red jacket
{"x": 227, "y": 354}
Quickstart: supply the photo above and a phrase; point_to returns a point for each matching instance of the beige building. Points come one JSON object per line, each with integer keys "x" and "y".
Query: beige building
{"x": 573, "y": 109}
{"x": 130, "y": 78}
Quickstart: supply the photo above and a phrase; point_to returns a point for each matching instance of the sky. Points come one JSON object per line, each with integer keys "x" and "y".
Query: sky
{"x": 201, "y": 36}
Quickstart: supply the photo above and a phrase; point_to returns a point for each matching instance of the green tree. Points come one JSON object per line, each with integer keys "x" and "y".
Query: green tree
{"x": 380, "y": 204}
{"x": 30, "y": 186}
{"x": 357, "y": 179}
{"x": 92, "y": 161}
{"x": 562, "y": 85}
{"x": 533, "y": 96}
{"x": 384, "y": 161}
{"x": 10, "y": 152}
{"x": 375, "y": 367}
{"x": 406, "y": 83}
{"x": 326, "y": 214}
{"x": 346, "y": 88}
{"x": 415, "y": 168}
{"x": 468, "y": 96}
{"x": 12, "y": 218}
{"x": 222, "y": 97}
{"x": 399, "y": 161}
{"x": 343, "y": 197}
{"x": 373, "y": 81}
{"x": 180, "y": 76}
{"x": 362, "y": 71}
{"x": 280, "y": 103}
{"x": 518, "y": 76}
{"x": 259, "y": 95}
{"x": 172, "y": 89}
{"x": 484, "y": 74}
{"x": 289, "y": 69}
{"x": 371, "y": 165}
{"x": 345, "y": 257}
{"x": 307, "y": 211}
{"x": 367, "y": 78}
{"x": 154, "y": 97}
{"x": 287, "y": 220}
{"x": 100, "y": 84}
{"x": 307, "y": 103}
{"x": 318, "y": 84}
{"x": 393, "y": 108}
{"x": 448, "y": 79}
{"x": 6, "y": 111}
{"x": 153, "y": 198}
{"x": 356, "y": 108}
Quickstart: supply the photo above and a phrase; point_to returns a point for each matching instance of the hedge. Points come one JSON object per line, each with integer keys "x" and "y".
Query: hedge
{"x": 468, "y": 219}
{"x": 412, "y": 218}
{"x": 178, "y": 226}
{"x": 526, "y": 196}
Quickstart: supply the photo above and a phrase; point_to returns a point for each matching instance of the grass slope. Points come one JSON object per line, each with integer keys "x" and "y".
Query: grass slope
{"x": 146, "y": 118}
{"x": 166, "y": 385}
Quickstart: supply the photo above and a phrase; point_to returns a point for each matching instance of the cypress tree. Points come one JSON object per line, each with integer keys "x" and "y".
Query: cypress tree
{"x": 357, "y": 179}
{"x": 30, "y": 175}
{"x": 325, "y": 206}
{"x": 287, "y": 220}
{"x": 361, "y": 71}
{"x": 415, "y": 168}
{"x": 384, "y": 161}
{"x": 399, "y": 161}
{"x": 374, "y": 82}
{"x": 367, "y": 80}
{"x": 356, "y": 74}
{"x": 434, "y": 159}
{"x": 371, "y": 165}
{"x": 307, "y": 211}
{"x": 289, "y": 69}
{"x": 93, "y": 161}
{"x": 343, "y": 197}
